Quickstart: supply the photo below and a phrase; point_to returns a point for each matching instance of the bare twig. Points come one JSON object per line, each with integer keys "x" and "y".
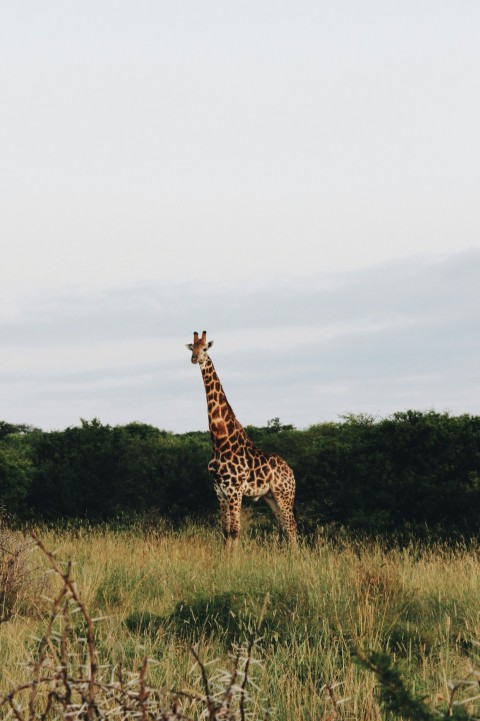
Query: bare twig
{"x": 42, "y": 652}
{"x": 245, "y": 679}
{"x": 211, "y": 708}
{"x": 71, "y": 586}
{"x": 333, "y": 699}
{"x": 63, "y": 687}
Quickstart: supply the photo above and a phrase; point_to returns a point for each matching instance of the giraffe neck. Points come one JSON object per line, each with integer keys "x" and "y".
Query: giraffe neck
{"x": 224, "y": 427}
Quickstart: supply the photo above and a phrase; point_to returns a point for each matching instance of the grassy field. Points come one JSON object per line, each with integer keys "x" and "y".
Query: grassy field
{"x": 310, "y": 610}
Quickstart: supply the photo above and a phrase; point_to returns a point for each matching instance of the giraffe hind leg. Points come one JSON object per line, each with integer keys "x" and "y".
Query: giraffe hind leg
{"x": 274, "y": 507}
{"x": 283, "y": 512}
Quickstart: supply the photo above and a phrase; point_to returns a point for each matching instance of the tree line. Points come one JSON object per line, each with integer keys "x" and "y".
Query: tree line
{"x": 416, "y": 470}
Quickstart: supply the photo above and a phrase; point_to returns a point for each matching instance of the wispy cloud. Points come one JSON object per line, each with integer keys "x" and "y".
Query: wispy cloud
{"x": 405, "y": 334}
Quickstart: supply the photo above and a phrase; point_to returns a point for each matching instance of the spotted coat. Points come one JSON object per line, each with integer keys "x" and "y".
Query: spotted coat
{"x": 238, "y": 468}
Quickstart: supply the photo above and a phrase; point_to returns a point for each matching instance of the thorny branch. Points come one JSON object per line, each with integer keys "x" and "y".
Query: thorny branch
{"x": 63, "y": 687}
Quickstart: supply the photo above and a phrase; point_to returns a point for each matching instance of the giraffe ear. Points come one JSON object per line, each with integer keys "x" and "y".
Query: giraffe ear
{"x": 210, "y": 343}
{"x": 189, "y": 346}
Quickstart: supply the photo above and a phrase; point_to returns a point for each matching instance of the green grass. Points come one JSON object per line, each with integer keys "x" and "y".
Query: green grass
{"x": 310, "y": 608}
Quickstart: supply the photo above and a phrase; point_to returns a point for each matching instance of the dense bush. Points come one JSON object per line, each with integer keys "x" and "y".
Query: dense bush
{"x": 416, "y": 470}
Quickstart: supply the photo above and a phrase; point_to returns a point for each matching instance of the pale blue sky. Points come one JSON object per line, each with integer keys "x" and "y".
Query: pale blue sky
{"x": 182, "y": 159}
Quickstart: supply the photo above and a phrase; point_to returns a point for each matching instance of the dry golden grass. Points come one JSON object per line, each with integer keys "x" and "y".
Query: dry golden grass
{"x": 322, "y": 603}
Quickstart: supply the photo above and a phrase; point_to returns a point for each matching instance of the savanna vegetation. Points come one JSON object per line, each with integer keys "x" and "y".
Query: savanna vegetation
{"x": 414, "y": 471}
{"x": 375, "y": 615}
{"x": 159, "y": 620}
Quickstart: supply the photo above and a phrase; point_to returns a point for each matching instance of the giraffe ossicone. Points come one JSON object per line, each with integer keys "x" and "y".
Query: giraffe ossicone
{"x": 238, "y": 468}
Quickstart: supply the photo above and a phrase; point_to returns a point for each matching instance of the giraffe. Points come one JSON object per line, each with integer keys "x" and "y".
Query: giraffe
{"x": 237, "y": 467}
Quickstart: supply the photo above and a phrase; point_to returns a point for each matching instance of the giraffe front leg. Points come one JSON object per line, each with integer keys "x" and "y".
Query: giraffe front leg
{"x": 230, "y": 499}
{"x": 213, "y": 469}
{"x": 230, "y": 516}
{"x": 235, "y": 511}
{"x": 231, "y": 526}
{"x": 283, "y": 512}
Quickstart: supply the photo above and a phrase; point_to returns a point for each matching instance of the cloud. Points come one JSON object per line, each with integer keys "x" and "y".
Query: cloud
{"x": 393, "y": 336}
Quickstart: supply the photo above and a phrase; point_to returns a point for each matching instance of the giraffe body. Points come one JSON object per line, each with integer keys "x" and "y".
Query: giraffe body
{"x": 238, "y": 468}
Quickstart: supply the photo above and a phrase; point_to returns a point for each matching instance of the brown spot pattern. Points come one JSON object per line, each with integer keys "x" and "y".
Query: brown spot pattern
{"x": 237, "y": 467}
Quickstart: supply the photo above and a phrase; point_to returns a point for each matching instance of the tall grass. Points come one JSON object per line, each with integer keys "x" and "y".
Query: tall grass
{"x": 162, "y": 592}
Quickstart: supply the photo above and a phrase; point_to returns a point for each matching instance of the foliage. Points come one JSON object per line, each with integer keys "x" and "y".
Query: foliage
{"x": 101, "y": 472}
{"x": 413, "y": 471}
{"x": 397, "y": 699}
{"x": 230, "y": 616}
{"x": 16, "y": 472}
{"x": 420, "y": 470}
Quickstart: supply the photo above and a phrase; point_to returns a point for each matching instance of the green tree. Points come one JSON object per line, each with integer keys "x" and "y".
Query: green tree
{"x": 15, "y": 473}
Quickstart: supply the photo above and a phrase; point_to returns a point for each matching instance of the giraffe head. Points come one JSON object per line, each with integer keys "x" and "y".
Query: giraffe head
{"x": 199, "y": 347}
